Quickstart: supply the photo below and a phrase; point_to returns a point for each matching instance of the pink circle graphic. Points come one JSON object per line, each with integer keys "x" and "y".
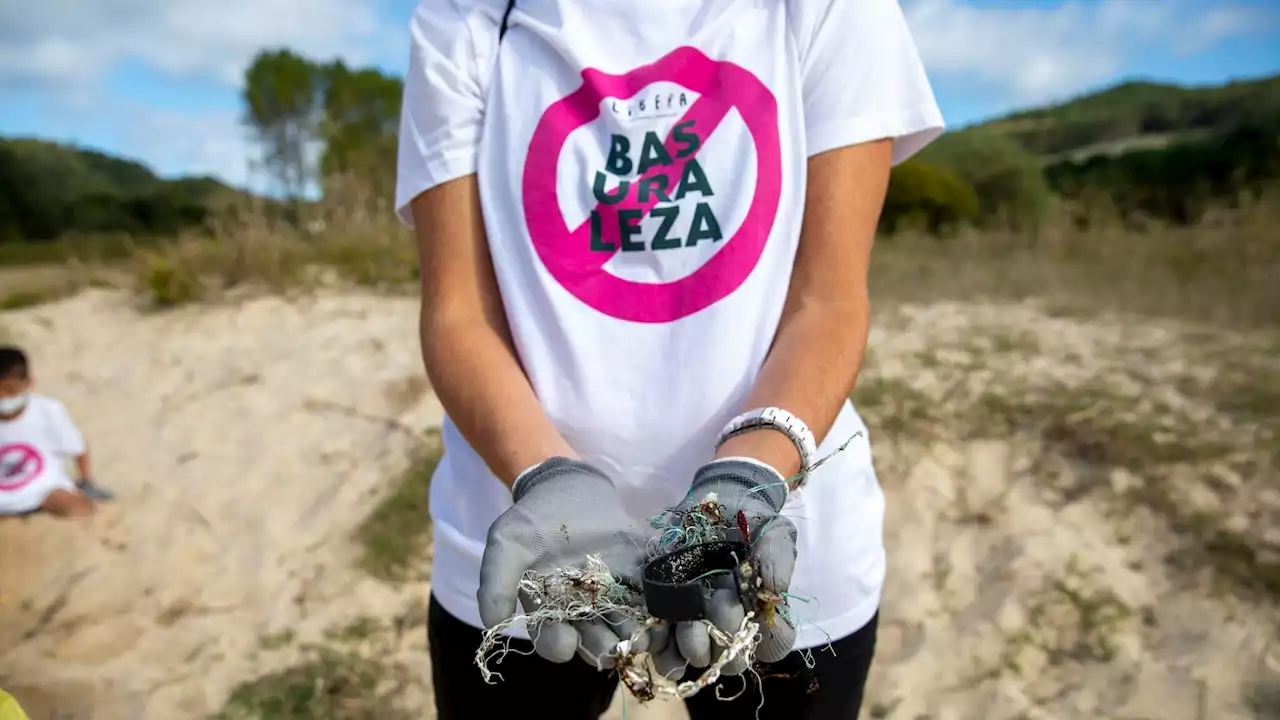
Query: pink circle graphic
{"x": 566, "y": 252}
{"x": 20, "y": 463}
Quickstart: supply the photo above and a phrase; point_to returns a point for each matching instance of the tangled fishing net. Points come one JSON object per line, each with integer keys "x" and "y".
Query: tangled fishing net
{"x": 565, "y": 595}
{"x": 592, "y": 592}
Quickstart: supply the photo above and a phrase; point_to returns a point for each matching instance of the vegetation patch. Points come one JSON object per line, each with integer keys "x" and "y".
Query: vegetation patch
{"x": 1070, "y": 620}
{"x": 253, "y": 252}
{"x": 1264, "y": 699}
{"x": 329, "y": 684}
{"x": 394, "y": 537}
{"x": 352, "y": 673}
{"x": 20, "y": 299}
{"x": 1189, "y": 425}
{"x": 1219, "y": 271}
{"x": 276, "y": 641}
{"x": 1240, "y": 562}
{"x": 892, "y": 405}
{"x": 1101, "y": 432}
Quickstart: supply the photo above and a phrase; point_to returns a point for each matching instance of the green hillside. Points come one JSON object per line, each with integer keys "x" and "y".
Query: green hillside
{"x": 76, "y": 170}
{"x": 1128, "y": 112}
{"x": 1135, "y": 149}
{"x": 48, "y": 189}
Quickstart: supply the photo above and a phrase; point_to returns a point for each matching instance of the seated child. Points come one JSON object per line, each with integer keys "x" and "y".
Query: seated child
{"x": 36, "y": 434}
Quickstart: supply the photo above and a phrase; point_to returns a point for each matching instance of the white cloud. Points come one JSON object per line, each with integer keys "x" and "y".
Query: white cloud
{"x": 1221, "y": 23}
{"x": 184, "y": 144}
{"x": 64, "y": 44}
{"x": 1031, "y": 53}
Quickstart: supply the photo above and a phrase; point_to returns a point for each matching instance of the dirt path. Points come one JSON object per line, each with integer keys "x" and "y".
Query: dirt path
{"x": 1048, "y": 559}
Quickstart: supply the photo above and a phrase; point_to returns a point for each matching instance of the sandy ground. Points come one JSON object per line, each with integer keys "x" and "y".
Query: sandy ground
{"x": 246, "y": 441}
{"x": 244, "y": 444}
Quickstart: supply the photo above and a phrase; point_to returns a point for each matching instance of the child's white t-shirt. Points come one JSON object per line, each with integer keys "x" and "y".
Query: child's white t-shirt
{"x": 642, "y": 173}
{"x": 32, "y": 449}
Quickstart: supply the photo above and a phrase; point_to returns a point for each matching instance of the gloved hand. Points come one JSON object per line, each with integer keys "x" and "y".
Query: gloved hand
{"x": 563, "y": 511}
{"x": 759, "y": 492}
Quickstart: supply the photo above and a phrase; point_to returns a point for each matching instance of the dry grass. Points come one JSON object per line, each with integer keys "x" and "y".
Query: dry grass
{"x": 1221, "y": 271}
{"x": 348, "y": 238}
{"x": 27, "y": 286}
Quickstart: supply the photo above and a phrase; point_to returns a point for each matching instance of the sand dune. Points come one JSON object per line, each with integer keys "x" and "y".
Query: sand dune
{"x": 246, "y": 441}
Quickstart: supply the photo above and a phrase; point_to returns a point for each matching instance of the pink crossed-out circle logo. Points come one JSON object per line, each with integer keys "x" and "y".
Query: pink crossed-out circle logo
{"x": 567, "y": 252}
{"x": 20, "y": 463}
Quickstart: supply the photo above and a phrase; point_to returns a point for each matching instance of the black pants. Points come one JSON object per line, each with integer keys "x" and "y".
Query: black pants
{"x": 830, "y": 690}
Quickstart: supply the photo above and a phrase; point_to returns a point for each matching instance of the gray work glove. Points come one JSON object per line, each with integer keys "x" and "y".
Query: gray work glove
{"x": 759, "y": 492}
{"x": 563, "y": 511}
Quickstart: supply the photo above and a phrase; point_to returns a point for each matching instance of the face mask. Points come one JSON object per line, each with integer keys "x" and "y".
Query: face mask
{"x": 13, "y": 405}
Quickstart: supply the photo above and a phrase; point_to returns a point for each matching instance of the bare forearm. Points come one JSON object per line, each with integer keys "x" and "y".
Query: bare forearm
{"x": 809, "y": 373}
{"x": 822, "y": 334}
{"x": 487, "y": 395}
{"x": 466, "y": 341}
{"x": 84, "y": 469}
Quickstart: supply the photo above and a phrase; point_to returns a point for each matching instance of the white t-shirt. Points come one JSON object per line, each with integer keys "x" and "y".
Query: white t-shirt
{"x": 642, "y": 174}
{"x": 32, "y": 448}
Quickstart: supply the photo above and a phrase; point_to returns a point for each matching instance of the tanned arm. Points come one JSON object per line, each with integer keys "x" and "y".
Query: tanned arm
{"x": 466, "y": 341}
{"x": 818, "y": 349}
{"x": 84, "y": 469}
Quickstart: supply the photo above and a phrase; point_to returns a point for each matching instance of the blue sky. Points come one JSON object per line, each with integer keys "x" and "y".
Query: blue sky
{"x": 157, "y": 80}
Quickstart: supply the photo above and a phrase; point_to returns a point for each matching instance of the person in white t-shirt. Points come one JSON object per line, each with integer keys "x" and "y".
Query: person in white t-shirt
{"x": 36, "y": 436}
{"x": 644, "y": 231}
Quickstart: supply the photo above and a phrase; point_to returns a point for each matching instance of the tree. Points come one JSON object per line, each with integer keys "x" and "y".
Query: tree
{"x": 361, "y": 117}
{"x": 283, "y": 98}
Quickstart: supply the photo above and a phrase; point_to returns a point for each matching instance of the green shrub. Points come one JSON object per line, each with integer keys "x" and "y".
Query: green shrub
{"x": 168, "y": 283}
{"x": 1179, "y": 183}
{"x": 1007, "y": 179}
{"x": 929, "y": 198}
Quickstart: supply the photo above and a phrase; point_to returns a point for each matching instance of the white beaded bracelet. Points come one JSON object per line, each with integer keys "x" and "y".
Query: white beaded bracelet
{"x": 782, "y": 421}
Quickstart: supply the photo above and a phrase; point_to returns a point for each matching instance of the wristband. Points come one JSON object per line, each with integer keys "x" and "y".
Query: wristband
{"x": 677, "y": 587}
{"x": 524, "y": 474}
{"x": 784, "y": 422}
